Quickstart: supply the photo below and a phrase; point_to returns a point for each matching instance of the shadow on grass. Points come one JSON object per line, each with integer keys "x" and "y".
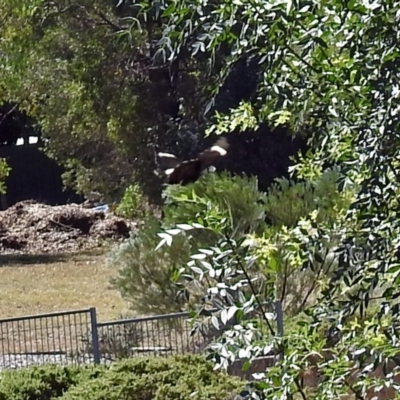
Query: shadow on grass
{"x": 19, "y": 260}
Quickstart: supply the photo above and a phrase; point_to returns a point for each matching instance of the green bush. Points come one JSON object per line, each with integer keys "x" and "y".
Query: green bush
{"x": 172, "y": 378}
{"x": 293, "y": 209}
{"x": 38, "y": 383}
{"x": 133, "y": 203}
{"x": 236, "y": 197}
{"x": 144, "y": 275}
{"x": 287, "y": 201}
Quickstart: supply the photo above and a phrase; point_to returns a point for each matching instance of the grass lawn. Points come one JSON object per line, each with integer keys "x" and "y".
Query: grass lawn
{"x": 32, "y": 285}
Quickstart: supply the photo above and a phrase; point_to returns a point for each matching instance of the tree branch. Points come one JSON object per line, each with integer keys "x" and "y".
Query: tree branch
{"x": 252, "y": 288}
{"x": 109, "y": 22}
{"x": 9, "y": 112}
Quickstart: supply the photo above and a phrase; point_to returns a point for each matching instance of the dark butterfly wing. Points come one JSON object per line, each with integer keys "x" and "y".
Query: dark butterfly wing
{"x": 167, "y": 160}
{"x": 189, "y": 171}
{"x": 186, "y": 172}
{"x": 214, "y": 153}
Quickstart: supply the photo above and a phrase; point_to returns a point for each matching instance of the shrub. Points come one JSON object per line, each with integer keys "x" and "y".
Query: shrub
{"x": 287, "y": 201}
{"x": 182, "y": 377}
{"x": 133, "y": 203}
{"x": 38, "y": 383}
{"x": 236, "y": 197}
{"x": 294, "y": 210}
{"x": 140, "y": 379}
{"x": 144, "y": 276}
{"x": 291, "y": 208}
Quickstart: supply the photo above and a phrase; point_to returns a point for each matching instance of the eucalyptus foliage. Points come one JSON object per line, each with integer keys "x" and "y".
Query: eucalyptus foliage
{"x": 236, "y": 197}
{"x": 144, "y": 276}
{"x": 329, "y": 69}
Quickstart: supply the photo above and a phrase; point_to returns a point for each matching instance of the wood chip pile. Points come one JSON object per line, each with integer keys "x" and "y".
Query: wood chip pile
{"x": 34, "y": 228}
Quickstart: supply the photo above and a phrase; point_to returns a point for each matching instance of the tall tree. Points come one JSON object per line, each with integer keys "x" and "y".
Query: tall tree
{"x": 104, "y": 94}
{"x": 330, "y": 69}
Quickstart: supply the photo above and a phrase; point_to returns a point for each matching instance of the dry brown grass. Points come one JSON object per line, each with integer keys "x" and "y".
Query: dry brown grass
{"x": 32, "y": 285}
{"x": 40, "y": 284}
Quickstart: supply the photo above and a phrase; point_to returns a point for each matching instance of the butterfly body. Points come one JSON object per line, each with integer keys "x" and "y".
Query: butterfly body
{"x": 188, "y": 171}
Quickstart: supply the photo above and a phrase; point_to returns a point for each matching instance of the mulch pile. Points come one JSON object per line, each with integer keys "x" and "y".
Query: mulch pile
{"x": 34, "y": 228}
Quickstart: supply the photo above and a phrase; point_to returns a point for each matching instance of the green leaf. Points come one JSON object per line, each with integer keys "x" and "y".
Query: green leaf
{"x": 214, "y": 321}
{"x": 318, "y": 258}
{"x": 320, "y": 41}
{"x": 169, "y": 10}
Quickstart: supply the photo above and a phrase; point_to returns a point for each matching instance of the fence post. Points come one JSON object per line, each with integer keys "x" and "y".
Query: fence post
{"x": 279, "y": 317}
{"x": 95, "y": 335}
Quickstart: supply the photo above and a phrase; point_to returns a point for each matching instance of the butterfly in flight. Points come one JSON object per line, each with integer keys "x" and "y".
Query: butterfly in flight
{"x": 184, "y": 172}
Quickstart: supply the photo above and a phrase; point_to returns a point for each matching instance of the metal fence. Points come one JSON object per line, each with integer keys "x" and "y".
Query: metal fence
{"x": 75, "y": 337}
{"x": 38, "y": 339}
{"x": 162, "y": 335}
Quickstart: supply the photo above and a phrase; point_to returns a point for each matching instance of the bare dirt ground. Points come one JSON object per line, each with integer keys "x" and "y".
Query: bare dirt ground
{"x": 33, "y": 228}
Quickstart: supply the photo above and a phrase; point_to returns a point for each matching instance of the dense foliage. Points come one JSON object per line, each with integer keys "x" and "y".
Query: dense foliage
{"x": 236, "y": 197}
{"x": 144, "y": 277}
{"x": 329, "y": 69}
{"x": 230, "y": 205}
{"x": 105, "y": 99}
{"x": 144, "y": 378}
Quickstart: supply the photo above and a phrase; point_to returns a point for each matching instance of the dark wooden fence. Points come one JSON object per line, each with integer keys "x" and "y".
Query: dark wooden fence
{"x": 33, "y": 176}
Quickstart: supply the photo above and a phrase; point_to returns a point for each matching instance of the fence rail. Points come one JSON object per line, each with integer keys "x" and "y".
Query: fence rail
{"x": 76, "y": 337}
{"x": 161, "y": 334}
{"x": 54, "y": 337}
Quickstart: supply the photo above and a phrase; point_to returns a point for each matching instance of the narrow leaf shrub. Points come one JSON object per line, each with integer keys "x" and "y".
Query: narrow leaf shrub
{"x": 236, "y": 197}
{"x": 144, "y": 275}
{"x": 295, "y": 211}
{"x": 288, "y": 201}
